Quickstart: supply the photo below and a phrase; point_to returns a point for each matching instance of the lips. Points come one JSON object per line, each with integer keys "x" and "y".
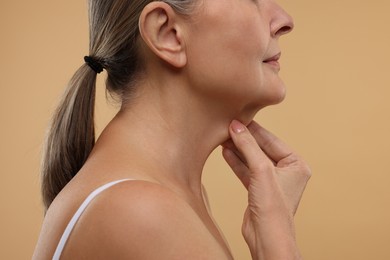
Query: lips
{"x": 274, "y": 61}
{"x": 273, "y": 58}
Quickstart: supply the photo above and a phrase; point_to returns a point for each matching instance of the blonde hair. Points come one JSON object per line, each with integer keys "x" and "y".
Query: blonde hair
{"x": 113, "y": 33}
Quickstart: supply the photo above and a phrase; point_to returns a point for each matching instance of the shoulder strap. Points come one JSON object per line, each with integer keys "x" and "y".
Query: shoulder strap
{"x": 77, "y": 215}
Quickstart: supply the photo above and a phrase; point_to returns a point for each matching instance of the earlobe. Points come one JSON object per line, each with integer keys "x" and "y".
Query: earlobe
{"x": 160, "y": 29}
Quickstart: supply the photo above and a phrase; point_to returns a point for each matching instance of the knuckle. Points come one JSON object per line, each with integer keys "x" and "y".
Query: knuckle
{"x": 303, "y": 167}
{"x": 262, "y": 168}
{"x": 306, "y": 170}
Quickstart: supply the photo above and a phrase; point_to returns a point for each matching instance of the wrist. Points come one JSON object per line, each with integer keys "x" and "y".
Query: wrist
{"x": 272, "y": 238}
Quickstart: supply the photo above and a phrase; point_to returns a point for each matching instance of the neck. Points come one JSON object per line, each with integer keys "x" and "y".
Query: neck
{"x": 167, "y": 135}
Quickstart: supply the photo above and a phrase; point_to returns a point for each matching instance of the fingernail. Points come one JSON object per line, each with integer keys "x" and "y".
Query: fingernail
{"x": 237, "y": 127}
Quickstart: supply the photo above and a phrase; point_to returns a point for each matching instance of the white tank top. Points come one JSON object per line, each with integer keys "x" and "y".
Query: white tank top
{"x": 77, "y": 215}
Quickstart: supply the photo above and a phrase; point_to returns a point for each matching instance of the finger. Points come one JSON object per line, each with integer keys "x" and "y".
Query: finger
{"x": 256, "y": 159}
{"x": 269, "y": 143}
{"x": 238, "y": 167}
{"x": 231, "y": 146}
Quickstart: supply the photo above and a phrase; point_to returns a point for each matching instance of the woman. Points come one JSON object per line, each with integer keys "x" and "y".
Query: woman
{"x": 191, "y": 75}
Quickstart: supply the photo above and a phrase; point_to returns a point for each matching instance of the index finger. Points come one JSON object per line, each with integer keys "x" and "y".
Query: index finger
{"x": 254, "y": 156}
{"x": 271, "y": 145}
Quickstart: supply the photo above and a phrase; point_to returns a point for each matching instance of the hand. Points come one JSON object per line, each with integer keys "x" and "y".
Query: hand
{"x": 275, "y": 178}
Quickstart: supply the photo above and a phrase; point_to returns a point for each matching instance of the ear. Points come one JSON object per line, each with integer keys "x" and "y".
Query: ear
{"x": 161, "y": 30}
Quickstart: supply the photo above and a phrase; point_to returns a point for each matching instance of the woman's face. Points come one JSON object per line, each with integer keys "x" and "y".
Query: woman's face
{"x": 232, "y": 48}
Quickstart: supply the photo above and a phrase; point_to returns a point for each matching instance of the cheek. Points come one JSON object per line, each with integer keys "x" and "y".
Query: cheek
{"x": 225, "y": 61}
{"x": 234, "y": 77}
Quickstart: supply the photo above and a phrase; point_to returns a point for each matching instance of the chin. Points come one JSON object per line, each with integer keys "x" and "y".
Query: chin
{"x": 275, "y": 96}
{"x": 280, "y": 96}
{"x": 261, "y": 101}
{"x": 271, "y": 96}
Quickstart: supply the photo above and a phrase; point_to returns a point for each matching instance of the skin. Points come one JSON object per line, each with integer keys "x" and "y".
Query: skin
{"x": 275, "y": 177}
{"x": 188, "y": 101}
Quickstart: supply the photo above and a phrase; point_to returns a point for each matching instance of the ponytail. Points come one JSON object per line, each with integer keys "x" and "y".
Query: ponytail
{"x": 71, "y": 135}
{"x": 113, "y": 33}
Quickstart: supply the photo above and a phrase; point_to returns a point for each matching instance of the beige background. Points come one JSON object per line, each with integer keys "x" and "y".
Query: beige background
{"x": 336, "y": 66}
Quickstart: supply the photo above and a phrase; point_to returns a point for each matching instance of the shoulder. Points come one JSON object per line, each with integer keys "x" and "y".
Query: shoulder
{"x": 141, "y": 201}
{"x": 144, "y": 203}
{"x": 140, "y": 220}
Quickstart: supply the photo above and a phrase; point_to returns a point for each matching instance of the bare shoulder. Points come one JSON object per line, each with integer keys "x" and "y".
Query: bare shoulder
{"x": 140, "y": 220}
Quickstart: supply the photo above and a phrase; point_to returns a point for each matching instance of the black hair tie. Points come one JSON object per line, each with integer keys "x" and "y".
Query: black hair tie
{"x": 93, "y": 64}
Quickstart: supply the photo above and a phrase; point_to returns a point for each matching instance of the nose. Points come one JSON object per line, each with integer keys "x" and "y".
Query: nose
{"x": 281, "y": 22}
